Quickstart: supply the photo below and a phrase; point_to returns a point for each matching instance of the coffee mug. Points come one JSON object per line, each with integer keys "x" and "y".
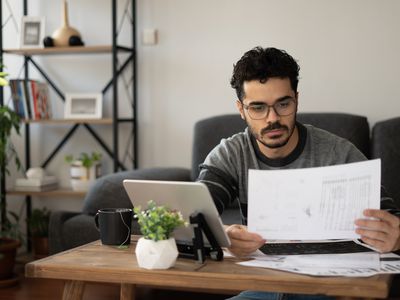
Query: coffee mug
{"x": 114, "y": 225}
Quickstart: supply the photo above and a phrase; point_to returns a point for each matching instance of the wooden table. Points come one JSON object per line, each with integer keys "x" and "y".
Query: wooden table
{"x": 98, "y": 263}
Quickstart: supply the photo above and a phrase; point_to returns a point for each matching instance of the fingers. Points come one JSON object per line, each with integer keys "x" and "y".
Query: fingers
{"x": 243, "y": 242}
{"x": 383, "y": 215}
{"x": 381, "y": 232}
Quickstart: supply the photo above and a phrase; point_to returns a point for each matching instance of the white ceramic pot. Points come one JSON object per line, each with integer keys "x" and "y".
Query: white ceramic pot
{"x": 81, "y": 177}
{"x": 156, "y": 255}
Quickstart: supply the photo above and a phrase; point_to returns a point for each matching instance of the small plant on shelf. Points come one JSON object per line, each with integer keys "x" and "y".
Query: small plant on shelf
{"x": 84, "y": 170}
{"x": 87, "y": 160}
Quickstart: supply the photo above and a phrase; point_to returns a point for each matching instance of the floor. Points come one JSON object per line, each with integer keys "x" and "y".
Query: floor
{"x": 50, "y": 289}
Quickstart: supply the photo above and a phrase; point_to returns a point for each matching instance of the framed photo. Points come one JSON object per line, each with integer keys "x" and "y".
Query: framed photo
{"x": 83, "y": 106}
{"x": 32, "y": 32}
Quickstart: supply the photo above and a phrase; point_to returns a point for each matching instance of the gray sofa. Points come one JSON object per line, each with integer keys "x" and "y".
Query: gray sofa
{"x": 69, "y": 229}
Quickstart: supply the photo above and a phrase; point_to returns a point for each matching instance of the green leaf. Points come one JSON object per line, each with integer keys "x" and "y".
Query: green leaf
{"x": 158, "y": 222}
{"x": 3, "y": 82}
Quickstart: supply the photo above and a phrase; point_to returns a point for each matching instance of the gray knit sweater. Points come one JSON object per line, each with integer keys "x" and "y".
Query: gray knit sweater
{"x": 225, "y": 170}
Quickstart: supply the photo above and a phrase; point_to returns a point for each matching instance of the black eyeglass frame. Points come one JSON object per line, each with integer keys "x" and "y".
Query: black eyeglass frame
{"x": 246, "y": 107}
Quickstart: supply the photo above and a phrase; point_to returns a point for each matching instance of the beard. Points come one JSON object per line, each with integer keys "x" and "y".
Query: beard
{"x": 273, "y": 142}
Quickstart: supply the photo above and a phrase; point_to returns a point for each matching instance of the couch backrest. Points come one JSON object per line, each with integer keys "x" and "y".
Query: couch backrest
{"x": 385, "y": 144}
{"x": 209, "y": 132}
{"x": 351, "y": 127}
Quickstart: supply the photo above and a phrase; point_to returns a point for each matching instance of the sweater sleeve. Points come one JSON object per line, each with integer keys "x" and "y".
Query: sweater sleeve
{"x": 221, "y": 185}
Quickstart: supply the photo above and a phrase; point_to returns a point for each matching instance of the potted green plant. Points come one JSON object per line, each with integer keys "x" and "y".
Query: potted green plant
{"x": 38, "y": 223}
{"x": 84, "y": 170}
{"x": 10, "y": 235}
{"x": 157, "y": 248}
{"x": 11, "y": 238}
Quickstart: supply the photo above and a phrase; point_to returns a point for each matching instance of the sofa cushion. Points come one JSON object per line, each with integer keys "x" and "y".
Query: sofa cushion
{"x": 351, "y": 127}
{"x": 79, "y": 230}
{"x": 385, "y": 144}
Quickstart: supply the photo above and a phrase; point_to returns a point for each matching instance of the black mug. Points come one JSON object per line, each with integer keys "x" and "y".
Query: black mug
{"x": 114, "y": 225}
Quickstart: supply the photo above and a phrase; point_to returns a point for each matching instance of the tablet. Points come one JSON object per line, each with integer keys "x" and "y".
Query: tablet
{"x": 186, "y": 197}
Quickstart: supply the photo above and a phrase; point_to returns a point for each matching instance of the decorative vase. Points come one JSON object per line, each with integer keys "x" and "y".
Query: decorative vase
{"x": 61, "y": 35}
{"x": 81, "y": 177}
{"x": 156, "y": 255}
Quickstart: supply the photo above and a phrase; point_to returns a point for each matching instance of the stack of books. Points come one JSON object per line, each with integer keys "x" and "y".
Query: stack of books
{"x": 30, "y": 99}
{"x": 46, "y": 183}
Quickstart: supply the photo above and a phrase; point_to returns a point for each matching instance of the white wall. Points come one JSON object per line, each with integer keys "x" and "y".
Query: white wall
{"x": 347, "y": 50}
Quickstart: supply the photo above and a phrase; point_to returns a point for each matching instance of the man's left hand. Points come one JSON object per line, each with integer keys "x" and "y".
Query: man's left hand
{"x": 382, "y": 232}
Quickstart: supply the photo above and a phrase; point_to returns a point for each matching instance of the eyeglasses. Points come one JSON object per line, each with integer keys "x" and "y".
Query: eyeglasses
{"x": 260, "y": 111}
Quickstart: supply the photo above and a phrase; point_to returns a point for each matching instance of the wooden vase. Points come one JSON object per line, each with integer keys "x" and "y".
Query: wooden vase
{"x": 61, "y": 35}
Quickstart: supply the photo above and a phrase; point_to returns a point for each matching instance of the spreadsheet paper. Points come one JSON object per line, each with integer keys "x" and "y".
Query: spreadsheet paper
{"x": 312, "y": 203}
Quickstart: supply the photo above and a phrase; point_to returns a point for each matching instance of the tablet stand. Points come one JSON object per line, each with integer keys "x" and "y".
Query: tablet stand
{"x": 199, "y": 251}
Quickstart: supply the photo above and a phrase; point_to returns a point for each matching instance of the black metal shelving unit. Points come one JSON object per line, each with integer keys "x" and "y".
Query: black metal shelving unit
{"x": 114, "y": 49}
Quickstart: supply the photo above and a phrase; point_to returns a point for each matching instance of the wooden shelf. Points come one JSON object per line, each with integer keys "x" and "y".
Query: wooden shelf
{"x": 106, "y": 121}
{"x": 60, "y": 50}
{"x": 64, "y": 50}
{"x": 62, "y": 192}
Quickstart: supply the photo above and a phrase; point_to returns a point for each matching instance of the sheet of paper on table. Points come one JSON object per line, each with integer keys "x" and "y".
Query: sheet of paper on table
{"x": 350, "y": 265}
{"x": 312, "y": 203}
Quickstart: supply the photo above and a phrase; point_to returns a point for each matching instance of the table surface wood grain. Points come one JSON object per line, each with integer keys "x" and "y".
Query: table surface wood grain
{"x": 95, "y": 262}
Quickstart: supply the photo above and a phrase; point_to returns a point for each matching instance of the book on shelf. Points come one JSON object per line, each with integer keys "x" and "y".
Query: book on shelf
{"x": 43, "y": 101}
{"x": 30, "y": 99}
{"x": 16, "y": 97}
{"x": 40, "y": 188}
{"x": 36, "y": 182}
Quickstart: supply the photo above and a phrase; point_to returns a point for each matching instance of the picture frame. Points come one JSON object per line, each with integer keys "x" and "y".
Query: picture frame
{"x": 83, "y": 106}
{"x": 32, "y": 32}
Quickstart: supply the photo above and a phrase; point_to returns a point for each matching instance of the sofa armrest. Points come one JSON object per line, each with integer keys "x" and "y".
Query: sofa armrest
{"x": 57, "y": 220}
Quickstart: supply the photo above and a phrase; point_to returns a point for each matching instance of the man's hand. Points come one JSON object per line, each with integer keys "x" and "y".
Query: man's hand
{"x": 243, "y": 243}
{"x": 383, "y": 233}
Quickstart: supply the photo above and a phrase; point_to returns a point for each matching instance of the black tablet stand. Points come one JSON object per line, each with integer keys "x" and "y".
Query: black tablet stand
{"x": 198, "y": 251}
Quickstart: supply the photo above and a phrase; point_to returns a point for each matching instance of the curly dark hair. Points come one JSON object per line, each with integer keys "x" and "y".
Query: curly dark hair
{"x": 261, "y": 64}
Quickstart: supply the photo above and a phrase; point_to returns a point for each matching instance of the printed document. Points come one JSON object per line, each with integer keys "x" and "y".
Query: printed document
{"x": 349, "y": 265}
{"x": 312, "y": 203}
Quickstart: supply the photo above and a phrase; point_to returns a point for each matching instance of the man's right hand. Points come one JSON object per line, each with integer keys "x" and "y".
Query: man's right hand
{"x": 243, "y": 243}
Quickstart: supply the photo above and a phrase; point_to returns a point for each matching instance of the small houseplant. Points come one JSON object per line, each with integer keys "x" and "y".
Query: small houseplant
{"x": 11, "y": 238}
{"x": 84, "y": 170}
{"x": 157, "y": 248}
{"x": 39, "y": 225}
{"x": 10, "y": 234}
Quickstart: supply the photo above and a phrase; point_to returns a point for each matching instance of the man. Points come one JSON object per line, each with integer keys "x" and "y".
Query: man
{"x": 266, "y": 82}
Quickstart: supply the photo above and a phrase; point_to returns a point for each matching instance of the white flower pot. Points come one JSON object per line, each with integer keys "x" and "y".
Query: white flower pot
{"x": 156, "y": 255}
{"x": 81, "y": 177}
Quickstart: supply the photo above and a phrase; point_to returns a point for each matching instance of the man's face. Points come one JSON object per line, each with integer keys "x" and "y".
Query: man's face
{"x": 274, "y": 132}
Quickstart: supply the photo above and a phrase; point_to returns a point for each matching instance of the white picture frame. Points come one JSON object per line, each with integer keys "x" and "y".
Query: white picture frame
{"x": 83, "y": 106}
{"x": 32, "y": 32}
